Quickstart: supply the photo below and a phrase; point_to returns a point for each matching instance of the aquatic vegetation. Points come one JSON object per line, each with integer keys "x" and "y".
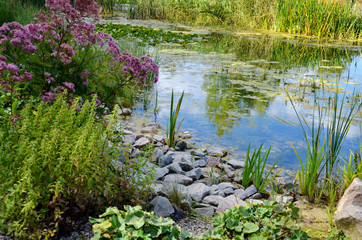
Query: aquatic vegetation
{"x": 336, "y": 19}
{"x": 148, "y": 35}
{"x": 254, "y": 169}
{"x": 171, "y": 128}
{"x": 12, "y": 11}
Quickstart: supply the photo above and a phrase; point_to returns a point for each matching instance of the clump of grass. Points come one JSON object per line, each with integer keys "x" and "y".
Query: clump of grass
{"x": 23, "y": 13}
{"x": 254, "y": 169}
{"x": 172, "y": 131}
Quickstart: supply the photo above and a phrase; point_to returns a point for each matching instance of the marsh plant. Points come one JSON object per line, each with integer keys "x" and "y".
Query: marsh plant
{"x": 254, "y": 169}
{"x": 171, "y": 129}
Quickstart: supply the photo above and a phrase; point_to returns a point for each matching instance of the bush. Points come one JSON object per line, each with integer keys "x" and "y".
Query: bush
{"x": 56, "y": 165}
{"x": 259, "y": 221}
{"x": 61, "y": 51}
{"x": 133, "y": 223}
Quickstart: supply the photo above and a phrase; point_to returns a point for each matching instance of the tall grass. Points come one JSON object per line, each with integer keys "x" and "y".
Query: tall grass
{"x": 337, "y": 19}
{"x": 171, "y": 129}
{"x": 21, "y": 11}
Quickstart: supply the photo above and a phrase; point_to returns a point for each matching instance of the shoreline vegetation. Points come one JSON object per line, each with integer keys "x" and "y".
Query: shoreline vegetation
{"x": 318, "y": 18}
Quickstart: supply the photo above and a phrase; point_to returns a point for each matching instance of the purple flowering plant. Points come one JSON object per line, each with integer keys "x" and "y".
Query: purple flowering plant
{"x": 60, "y": 51}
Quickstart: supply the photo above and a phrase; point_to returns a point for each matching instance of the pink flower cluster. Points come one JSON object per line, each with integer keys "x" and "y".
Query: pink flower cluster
{"x": 57, "y": 39}
{"x": 10, "y": 76}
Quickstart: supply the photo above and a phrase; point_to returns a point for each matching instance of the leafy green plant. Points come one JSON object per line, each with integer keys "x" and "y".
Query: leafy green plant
{"x": 56, "y": 164}
{"x": 254, "y": 169}
{"x": 351, "y": 170}
{"x": 259, "y": 221}
{"x": 171, "y": 129}
{"x": 133, "y": 223}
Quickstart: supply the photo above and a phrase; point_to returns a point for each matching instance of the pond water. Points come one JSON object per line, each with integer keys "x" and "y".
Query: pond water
{"x": 235, "y": 90}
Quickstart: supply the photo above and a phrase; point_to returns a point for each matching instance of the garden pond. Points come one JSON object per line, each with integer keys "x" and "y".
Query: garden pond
{"x": 235, "y": 88}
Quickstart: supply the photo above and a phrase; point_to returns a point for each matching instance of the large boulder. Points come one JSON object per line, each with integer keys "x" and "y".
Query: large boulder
{"x": 348, "y": 216}
{"x": 162, "y": 206}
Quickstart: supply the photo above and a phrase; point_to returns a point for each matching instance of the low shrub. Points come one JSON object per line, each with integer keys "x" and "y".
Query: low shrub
{"x": 133, "y": 223}
{"x": 259, "y": 221}
{"x": 56, "y": 165}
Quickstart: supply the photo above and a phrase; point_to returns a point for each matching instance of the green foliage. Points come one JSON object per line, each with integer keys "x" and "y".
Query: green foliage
{"x": 351, "y": 170}
{"x": 56, "y": 164}
{"x": 259, "y": 221}
{"x": 173, "y": 121}
{"x": 149, "y": 35}
{"x": 254, "y": 169}
{"x": 133, "y": 223}
{"x": 337, "y": 19}
{"x": 18, "y": 11}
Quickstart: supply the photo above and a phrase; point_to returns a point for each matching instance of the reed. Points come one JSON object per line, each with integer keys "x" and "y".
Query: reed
{"x": 336, "y": 19}
{"x": 172, "y": 131}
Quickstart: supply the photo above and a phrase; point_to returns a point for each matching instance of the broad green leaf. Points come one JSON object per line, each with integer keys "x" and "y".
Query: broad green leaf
{"x": 110, "y": 211}
{"x": 135, "y": 219}
{"x": 250, "y": 227}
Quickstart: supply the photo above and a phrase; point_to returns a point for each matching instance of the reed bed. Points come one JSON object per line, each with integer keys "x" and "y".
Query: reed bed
{"x": 319, "y": 18}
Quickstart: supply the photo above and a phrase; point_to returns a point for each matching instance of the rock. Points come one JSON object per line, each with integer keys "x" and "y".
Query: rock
{"x": 162, "y": 206}
{"x": 238, "y": 175}
{"x": 181, "y": 146}
{"x": 142, "y": 142}
{"x": 207, "y": 212}
{"x": 224, "y": 185}
{"x": 236, "y": 164}
{"x": 256, "y": 196}
{"x": 178, "y": 178}
{"x": 254, "y": 201}
{"x": 148, "y": 167}
{"x": 127, "y": 132}
{"x": 128, "y": 139}
{"x": 184, "y": 161}
{"x": 158, "y": 138}
{"x": 246, "y": 193}
{"x": 229, "y": 202}
{"x": 199, "y": 163}
{"x": 213, "y": 161}
{"x": 125, "y": 112}
{"x": 230, "y": 173}
{"x": 198, "y": 191}
{"x": 348, "y": 216}
{"x": 175, "y": 168}
{"x": 149, "y": 130}
{"x": 185, "y": 135}
{"x": 157, "y": 188}
{"x": 213, "y": 200}
{"x": 165, "y": 160}
{"x": 161, "y": 172}
{"x": 157, "y": 153}
{"x": 217, "y": 152}
{"x": 209, "y": 173}
{"x": 154, "y": 124}
{"x": 225, "y": 166}
{"x": 288, "y": 199}
{"x": 197, "y": 153}
{"x": 195, "y": 174}
{"x": 136, "y": 153}
{"x": 225, "y": 192}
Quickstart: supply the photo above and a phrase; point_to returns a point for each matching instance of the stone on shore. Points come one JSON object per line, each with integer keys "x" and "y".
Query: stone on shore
{"x": 178, "y": 178}
{"x": 198, "y": 191}
{"x": 162, "y": 206}
{"x": 229, "y": 202}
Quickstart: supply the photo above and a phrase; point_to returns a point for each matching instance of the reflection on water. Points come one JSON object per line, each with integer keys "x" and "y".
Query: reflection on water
{"x": 235, "y": 89}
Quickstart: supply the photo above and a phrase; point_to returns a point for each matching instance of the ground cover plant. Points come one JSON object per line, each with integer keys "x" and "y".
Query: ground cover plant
{"x": 148, "y": 35}
{"x": 257, "y": 221}
{"x": 337, "y": 19}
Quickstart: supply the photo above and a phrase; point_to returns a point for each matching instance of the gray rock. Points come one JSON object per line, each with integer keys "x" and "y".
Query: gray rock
{"x": 142, "y": 142}
{"x": 207, "y": 212}
{"x": 136, "y": 153}
{"x": 213, "y": 200}
{"x": 162, "y": 206}
{"x": 348, "y": 216}
{"x": 157, "y": 188}
{"x": 128, "y": 139}
{"x": 158, "y": 138}
{"x": 217, "y": 152}
{"x": 154, "y": 124}
{"x": 165, "y": 160}
{"x": 148, "y": 167}
{"x": 225, "y": 167}
{"x": 150, "y": 129}
{"x": 195, "y": 174}
{"x": 236, "y": 164}
{"x": 178, "y": 178}
{"x": 229, "y": 202}
{"x": 199, "y": 163}
{"x": 181, "y": 146}
{"x": 246, "y": 193}
{"x": 214, "y": 189}
{"x": 288, "y": 199}
{"x": 256, "y": 196}
{"x": 198, "y": 191}
{"x": 225, "y": 192}
{"x": 157, "y": 153}
{"x": 175, "y": 168}
{"x": 238, "y": 175}
{"x": 197, "y": 153}
{"x": 230, "y": 173}
{"x": 209, "y": 173}
{"x": 213, "y": 161}
{"x": 223, "y": 185}
{"x": 161, "y": 172}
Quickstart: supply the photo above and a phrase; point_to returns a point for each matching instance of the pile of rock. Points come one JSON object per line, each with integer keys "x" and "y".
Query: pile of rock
{"x": 188, "y": 177}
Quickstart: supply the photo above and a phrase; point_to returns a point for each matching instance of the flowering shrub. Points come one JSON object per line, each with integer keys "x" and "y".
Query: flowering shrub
{"x": 60, "y": 50}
